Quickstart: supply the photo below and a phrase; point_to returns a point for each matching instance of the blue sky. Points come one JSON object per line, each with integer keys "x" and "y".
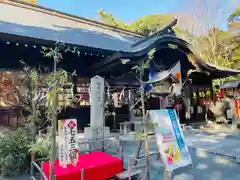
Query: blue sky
{"x": 129, "y": 10}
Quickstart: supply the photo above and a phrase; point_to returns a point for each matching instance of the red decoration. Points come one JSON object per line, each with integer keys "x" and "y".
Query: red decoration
{"x": 170, "y": 159}
{"x": 75, "y": 150}
{"x": 71, "y": 124}
{"x": 97, "y": 166}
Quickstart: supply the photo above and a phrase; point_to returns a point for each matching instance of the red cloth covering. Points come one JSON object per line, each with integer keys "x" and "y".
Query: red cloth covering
{"x": 97, "y": 166}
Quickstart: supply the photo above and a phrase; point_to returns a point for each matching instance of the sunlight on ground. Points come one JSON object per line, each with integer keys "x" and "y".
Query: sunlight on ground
{"x": 223, "y": 161}
{"x": 201, "y": 154}
{"x": 209, "y": 140}
{"x": 202, "y": 166}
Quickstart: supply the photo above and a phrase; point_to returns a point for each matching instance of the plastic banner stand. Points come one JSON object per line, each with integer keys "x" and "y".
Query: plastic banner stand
{"x": 170, "y": 140}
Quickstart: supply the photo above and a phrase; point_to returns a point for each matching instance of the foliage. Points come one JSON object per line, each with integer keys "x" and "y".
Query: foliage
{"x": 215, "y": 46}
{"x": 14, "y": 155}
{"x": 234, "y": 15}
{"x": 35, "y": 93}
{"x": 16, "y": 146}
{"x": 144, "y": 25}
{"x": 56, "y": 79}
{"x": 144, "y": 64}
{"x": 139, "y": 70}
{"x": 30, "y": 95}
{"x": 151, "y": 23}
{"x": 41, "y": 146}
{"x": 109, "y": 19}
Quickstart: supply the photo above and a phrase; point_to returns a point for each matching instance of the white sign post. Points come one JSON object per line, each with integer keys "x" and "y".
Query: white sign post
{"x": 68, "y": 150}
{"x": 170, "y": 141}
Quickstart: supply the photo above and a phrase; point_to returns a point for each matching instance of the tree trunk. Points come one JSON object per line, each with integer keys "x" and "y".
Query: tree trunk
{"x": 54, "y": 121}
{"x": 145, "y": 131}
{"x": 33, "y": 122}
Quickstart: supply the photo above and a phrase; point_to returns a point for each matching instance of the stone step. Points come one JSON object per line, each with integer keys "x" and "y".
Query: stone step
{"x": 125, "y": 174}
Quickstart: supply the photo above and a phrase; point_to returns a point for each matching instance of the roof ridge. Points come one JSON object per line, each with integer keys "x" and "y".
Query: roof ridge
{"x": 60, "y": 14}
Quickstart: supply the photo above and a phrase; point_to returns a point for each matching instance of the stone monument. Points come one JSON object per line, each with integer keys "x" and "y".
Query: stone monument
{"x": 97, "y": 128}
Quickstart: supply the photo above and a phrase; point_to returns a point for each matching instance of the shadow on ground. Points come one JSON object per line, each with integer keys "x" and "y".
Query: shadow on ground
{"x": 206, "y": 166}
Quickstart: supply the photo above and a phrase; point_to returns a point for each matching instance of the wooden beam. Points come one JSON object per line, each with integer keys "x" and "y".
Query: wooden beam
{"x": 104, "y": 68}
{"x": 106, "y": 61}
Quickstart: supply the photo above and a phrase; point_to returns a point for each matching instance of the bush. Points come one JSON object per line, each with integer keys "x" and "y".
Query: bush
{"x": 14, "y": 152}
{"x": 42, "y": 146}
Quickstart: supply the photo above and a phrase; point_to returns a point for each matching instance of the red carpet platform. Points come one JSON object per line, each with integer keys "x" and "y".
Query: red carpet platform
{"x": 97, "y": 166}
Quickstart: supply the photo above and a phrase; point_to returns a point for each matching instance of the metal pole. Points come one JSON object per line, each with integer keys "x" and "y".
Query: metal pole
{"x": 129, "y": 169}
{"x": 121, "y": 153}
{"x": 82, "y": 174}
{"x": 90, "y": 146}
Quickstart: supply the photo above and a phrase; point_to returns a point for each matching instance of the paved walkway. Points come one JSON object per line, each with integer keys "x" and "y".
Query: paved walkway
{"x": 222, "y": 143}
{"x": 226, "y": 144}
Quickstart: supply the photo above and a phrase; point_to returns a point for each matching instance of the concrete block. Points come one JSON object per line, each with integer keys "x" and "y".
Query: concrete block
{"x": 237, "y": 159}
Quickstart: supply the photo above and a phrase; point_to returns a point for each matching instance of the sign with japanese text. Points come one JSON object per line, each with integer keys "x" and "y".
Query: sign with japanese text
{"x": 170, "y": 141}
{"x": 68, "y": 151}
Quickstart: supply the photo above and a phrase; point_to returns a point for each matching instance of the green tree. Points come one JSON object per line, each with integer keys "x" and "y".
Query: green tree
{"x": 215, "y": 46}
{"x": 151, "y": 23}
{"x": 109, "y": 19}
{"x": 234, "y": 22}
{"x": 234, "y": 15}
{"x": 144, "y": 25}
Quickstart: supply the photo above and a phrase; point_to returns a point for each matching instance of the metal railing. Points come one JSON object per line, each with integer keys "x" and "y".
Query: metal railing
{"x": 119, "y": 150}
{"x": 40, "y": 170}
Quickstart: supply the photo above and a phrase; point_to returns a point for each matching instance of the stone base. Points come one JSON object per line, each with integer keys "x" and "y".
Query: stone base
{"x": 95, "y": 135}
{"x": 238, "y": 159}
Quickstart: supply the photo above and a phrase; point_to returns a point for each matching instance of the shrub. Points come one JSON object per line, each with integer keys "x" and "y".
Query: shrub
{"x": 14, "y": 152}
{"x": 42, "y": 146}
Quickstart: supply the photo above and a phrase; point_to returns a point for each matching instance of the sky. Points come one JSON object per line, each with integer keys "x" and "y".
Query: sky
{"x": 127, "y": 10}
{"x": 130, "y": 10}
